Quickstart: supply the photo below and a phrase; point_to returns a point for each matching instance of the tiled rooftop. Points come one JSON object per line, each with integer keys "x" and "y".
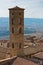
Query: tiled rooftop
{"x": 18, "y": 61}
{"x": 32, "y": 49}
{"x": 21, "y": 61}
{"x": 39, "y": 55}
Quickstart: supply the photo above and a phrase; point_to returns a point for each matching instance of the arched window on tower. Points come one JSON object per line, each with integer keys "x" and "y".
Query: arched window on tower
{"x": 20, "y": 13}
{"x": 12, "y": 21}
{"x": 12, "y": 45}
{"x": 12, "y": 13}
{"x": 20, "y": 30}
{"x": 12, "y": 29}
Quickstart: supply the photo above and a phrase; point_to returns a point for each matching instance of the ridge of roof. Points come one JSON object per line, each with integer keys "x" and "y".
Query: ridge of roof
{"x": 16, "y": 7}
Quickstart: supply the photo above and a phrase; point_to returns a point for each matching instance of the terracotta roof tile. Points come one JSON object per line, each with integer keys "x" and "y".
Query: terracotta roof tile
{"x": 21, "y": 61}
{"x": 39, "y": 55}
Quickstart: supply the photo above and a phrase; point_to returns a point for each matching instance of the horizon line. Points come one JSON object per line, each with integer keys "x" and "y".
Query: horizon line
{"x": 24, "y": 17}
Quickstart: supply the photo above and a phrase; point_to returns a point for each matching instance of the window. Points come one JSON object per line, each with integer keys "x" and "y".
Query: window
{"x": 12, "y": 30}
{"x": 12, "y": 21}
{"x": 20, "y": 30}
{"x": 12, "y": 13}
{"x": 8, "y": 45}
{"x": 19, "y": 13}
{"x": 12, "y": 45}
{"x": 19, "y": 45}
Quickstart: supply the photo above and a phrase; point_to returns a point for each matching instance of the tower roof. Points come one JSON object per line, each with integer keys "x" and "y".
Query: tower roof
{"x": 15, "y": 8}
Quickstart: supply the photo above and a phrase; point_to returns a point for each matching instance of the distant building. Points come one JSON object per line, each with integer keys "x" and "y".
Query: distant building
{"x": 4, "y": 43}
{"x": 16, "y": 16}
{"x": 38, "y": 57}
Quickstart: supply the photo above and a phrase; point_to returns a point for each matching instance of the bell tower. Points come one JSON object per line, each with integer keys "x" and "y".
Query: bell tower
{"x": 16, "y": 17}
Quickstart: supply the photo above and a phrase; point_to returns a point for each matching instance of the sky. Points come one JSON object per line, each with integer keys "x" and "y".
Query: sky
{"x": 33, "y": 8}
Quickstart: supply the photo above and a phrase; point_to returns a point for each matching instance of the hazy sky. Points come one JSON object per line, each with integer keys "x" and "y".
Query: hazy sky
{"x": 33, "y": 8}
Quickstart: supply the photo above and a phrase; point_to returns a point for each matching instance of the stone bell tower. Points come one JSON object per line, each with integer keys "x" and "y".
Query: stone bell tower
{"x": 16, "y": 17}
